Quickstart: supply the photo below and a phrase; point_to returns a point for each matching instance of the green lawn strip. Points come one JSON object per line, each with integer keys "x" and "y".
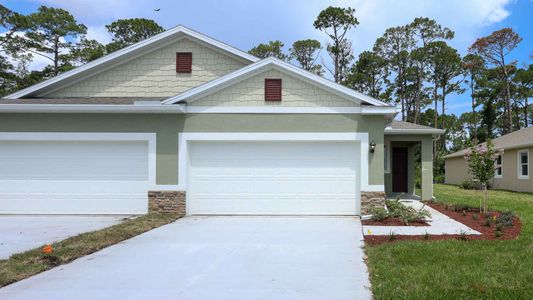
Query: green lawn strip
{"x": 453, "y": 269}
{"x": 23, "y": 265}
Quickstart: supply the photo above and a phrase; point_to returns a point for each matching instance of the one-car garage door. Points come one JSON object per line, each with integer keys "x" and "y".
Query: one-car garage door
{"x": 74, "y": 177}
{"x": 314, "y": 178}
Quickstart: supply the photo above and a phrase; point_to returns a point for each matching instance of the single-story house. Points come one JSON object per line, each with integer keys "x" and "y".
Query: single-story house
{"x": 511, "y": 164}
{"x": 184, "y": 122}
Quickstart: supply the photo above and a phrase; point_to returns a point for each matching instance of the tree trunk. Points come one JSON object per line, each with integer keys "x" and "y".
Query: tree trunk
{"x": 526, "y": 110}
{"x": 473, "y": 120}
{"x": 435, "y": 98}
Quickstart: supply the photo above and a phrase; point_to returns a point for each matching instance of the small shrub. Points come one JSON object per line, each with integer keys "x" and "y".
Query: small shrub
{"x": 392, "y": 236}
{"x": 499, "y": 227}
{"x": 497, "y": 233}
{"x": 462, "y": 207}
{"x": 426, "y": 236}
{"x": 506, "y": 218}
{"x": 464, "y": 213}
{"x": 406, "y": 214}
{"x": 470, "y": 184}
{"x": 475, "y": 217}
{"x": 463, "y": 236}
{"x": 378, "y": 213}
{"x": 486, "y": 222}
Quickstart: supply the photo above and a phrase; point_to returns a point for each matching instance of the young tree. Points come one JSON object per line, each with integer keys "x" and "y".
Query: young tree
{"x": 336, "y": 22}
{"x": 369, "y": 75}
{"x": 480, "y": 161}
{"x": 473, "y": 66}
{"x": 272, "y": 49}
{"x": 51, "y": 32}
{"x": 305, "y": 52}
{"x": 126, "y": 32}
{"x": 494, "y": 49}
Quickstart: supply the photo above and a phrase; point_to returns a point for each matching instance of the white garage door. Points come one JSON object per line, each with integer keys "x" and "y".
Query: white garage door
{"x": 73, "y": 177}
{"x": 315, "y": 178}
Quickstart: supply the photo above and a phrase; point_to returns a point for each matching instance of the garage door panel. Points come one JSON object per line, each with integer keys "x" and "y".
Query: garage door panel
{"x": 74, "y": 177}
{"x": 273, "y": 177}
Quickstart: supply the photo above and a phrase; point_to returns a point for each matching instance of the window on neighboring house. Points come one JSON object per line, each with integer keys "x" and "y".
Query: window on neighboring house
{"x": 498, "y": 165}
{"x": 523, "y": 164}
{"x": 272, "y": 89}
{"x": 183, "y": 62}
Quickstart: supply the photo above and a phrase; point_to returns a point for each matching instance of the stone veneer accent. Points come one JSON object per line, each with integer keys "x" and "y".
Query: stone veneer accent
{"x": 167, "y": 201}
{"x": 369, "y": 199}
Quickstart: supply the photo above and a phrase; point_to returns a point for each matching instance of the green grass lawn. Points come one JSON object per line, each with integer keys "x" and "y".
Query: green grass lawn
{"x": 454, "y": 269}
{"x": 29, "y": 263}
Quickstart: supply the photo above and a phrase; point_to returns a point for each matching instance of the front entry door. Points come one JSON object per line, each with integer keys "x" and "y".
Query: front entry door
{"x": 399, "y": 170}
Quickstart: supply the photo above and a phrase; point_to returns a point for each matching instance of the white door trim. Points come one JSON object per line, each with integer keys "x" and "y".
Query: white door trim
{"x": 92, "y": 136}
{"x": 185, "y": 138}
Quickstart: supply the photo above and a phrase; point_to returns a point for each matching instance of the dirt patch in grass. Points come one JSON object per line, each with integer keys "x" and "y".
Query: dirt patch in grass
{"x": 393, "y": 222}
{"x": 23, "y": 265}
{"x": 487, "y": 225}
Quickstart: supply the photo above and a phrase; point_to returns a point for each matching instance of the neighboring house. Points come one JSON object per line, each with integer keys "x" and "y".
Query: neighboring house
{"x": 184, "y": 122}
{"x": 512, "y": 167}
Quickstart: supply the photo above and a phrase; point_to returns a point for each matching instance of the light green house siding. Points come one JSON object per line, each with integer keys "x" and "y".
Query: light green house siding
{"x": 167, "y": 127}
{"x": 154, "y": 74}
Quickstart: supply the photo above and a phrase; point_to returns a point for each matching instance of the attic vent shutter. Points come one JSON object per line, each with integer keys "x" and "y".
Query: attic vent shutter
{"x": 183, "y": 62}
{"x": 272, "y": 89}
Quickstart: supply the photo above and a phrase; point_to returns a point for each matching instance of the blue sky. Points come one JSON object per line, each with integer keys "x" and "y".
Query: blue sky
{"x": 244, "y": 24}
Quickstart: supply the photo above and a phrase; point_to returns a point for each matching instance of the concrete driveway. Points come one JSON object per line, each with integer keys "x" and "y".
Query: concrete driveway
{"x": 217, "y": 258}
{"x": 21, "y": 233}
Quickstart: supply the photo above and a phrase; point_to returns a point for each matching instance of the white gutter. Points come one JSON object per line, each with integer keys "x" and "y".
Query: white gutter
{"x": 90, "y": 108}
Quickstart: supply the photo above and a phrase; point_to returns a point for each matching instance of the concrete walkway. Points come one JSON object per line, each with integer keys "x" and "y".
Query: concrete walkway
{"x": 217, "y": 258}
{"x": 439, "y": 224}
{"x": 22, "y": 233}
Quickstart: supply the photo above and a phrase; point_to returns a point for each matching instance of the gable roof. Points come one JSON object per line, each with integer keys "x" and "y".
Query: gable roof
{"x": 518, "y": 139}
{"x": 263, "y": 65}
{"x": 128, "y": 53}
{"x": 400, "y": 127}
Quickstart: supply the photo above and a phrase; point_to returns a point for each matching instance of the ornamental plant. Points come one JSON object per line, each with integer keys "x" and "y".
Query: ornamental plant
{"x": 480, "y": 162}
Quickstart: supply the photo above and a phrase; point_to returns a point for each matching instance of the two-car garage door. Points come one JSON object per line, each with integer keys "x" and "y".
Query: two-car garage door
{"x": 236, "y": 177}
{"x": 74, "y": 176}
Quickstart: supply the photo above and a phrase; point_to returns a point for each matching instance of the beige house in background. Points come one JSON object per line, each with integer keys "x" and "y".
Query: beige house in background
{"x": 512, "y": 166}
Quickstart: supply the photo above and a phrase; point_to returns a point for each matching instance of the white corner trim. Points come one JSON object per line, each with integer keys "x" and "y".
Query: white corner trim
{"x": 245, "y": 72}
{"x": 519, "y": 164}
{"x": 186, "y": 137}
{"x": 91, "y": 136}
{"x": 373, "y": 188}
{"x": 103, "y": 60}
{"x": 89, "y": 108}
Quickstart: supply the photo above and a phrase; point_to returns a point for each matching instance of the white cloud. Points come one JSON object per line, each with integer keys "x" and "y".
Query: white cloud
{"x": 98, "y": 33}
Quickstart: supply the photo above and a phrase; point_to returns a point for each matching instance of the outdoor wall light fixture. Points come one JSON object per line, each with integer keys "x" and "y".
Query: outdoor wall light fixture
{"x": 372, "y": 147}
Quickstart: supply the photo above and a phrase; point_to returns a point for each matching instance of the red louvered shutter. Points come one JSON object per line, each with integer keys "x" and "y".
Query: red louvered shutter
{"x": 272, "y": 89}
{"x": 183, "y": 62}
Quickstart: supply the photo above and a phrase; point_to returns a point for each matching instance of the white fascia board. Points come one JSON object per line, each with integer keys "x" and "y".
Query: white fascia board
{"x": 414, "y": 131}
{"x": 270, "y": 110}
{"x": 110, "y": 57}
{"x": 89, "y": 108}
{"x": 245, "y": 72}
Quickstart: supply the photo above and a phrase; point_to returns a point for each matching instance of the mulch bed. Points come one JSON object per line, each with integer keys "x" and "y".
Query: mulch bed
{"x": 465, "y": 217}
{"x": 393, "y": 222}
